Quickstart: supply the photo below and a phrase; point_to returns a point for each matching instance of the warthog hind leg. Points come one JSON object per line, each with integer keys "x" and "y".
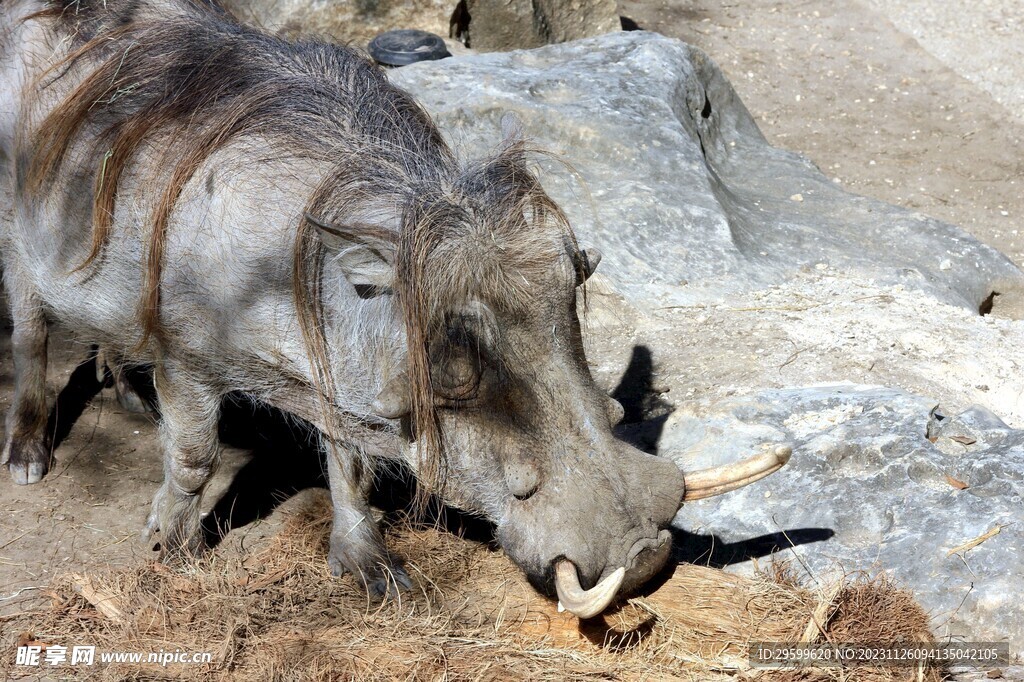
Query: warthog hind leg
{"x": 190, "y": 410}
{"x": 357, "y": 546}
{"x": 26, "y": 450}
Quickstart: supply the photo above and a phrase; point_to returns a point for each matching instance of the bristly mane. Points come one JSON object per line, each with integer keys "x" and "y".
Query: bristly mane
{"x": 487, "y": 232}
{"x": 186, "y": 70}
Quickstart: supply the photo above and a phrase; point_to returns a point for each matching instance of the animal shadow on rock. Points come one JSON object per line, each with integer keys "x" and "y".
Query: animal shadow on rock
{"x": 645, "y": 413}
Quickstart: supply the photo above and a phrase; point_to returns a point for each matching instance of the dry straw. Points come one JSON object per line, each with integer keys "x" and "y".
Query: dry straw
{"x": 272, "y": 612}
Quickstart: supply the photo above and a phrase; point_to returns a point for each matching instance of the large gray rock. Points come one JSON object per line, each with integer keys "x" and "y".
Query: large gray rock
{"x": 875, "y": 483}
{"x": 734, "y": 271}
{"x": 689, "y": 201}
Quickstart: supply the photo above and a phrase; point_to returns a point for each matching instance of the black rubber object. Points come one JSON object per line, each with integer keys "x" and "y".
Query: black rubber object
{"x": 406, "y": 46}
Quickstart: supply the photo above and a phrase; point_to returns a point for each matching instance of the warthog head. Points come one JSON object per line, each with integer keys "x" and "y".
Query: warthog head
{"x": 492, "y": 392}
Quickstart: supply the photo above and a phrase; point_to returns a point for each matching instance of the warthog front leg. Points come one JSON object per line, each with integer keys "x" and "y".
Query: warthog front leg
{"x": 190, "y": 409}
{"x": 357, "y": 546}
{"x": 26, "y": 445}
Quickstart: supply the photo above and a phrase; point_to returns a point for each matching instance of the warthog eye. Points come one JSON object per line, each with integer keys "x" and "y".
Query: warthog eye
{"x": 457, "y": 378}
{"x": 458, "y": 359}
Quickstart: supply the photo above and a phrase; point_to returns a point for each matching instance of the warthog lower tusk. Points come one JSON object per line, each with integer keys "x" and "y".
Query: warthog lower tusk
{"x": 711, "y": 482}
{"x": 580, "y": 602}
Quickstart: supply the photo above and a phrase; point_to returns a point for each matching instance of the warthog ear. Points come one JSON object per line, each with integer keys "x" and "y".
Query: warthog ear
{"x": 365, "y": 254}
{"x": 589, "y": 258}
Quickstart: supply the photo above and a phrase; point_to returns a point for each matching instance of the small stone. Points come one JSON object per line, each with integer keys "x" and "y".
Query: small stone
{"x": 797, "y": 197}
{"x": 946, "y": 265}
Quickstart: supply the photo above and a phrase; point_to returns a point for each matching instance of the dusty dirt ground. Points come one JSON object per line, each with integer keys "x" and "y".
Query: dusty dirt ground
{"x": 838, "y": 82}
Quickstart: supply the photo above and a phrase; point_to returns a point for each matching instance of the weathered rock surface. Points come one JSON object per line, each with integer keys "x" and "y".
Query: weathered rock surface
{"x": 733, "y": 272}
{"x": 353, "y": 22}
{"x": 689, "y": 201}
{"x": 902, "y": 486}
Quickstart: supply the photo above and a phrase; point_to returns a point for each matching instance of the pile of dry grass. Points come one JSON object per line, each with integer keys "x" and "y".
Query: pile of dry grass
{"x": 273, "y": 613}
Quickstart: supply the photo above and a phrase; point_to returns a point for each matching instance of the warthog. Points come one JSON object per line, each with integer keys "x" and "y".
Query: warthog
{"x": 251, "y": 215}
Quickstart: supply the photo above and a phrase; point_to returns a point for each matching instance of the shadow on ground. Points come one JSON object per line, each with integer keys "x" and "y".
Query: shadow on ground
{"x": 286, "y": 458}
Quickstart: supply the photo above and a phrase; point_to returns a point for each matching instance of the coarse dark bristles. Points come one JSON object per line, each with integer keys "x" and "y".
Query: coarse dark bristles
{"x": 439, "y": 266}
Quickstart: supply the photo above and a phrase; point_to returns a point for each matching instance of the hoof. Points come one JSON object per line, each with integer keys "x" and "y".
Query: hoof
{"x": 150, "y": 535}
{"x": 173, "y": 527}
{"x": 27, "y": 461}
{"x": 181, "y": 553}
{"x": 382, "y": 579}
{"x": 390, "y": 583}
{"x": 150, "y": 532}
{"x": 177, "y": 547}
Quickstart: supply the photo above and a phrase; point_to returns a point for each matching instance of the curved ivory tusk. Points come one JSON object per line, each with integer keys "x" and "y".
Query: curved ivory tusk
{"x": 580, "y": 602}
{"x": 711, "y": 482}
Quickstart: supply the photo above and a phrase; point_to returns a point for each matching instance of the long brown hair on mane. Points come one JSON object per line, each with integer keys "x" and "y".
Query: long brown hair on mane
{"x": 439, "y": 265}
{"x": 186, "y": 70}
{"x": 185, "y": 73}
